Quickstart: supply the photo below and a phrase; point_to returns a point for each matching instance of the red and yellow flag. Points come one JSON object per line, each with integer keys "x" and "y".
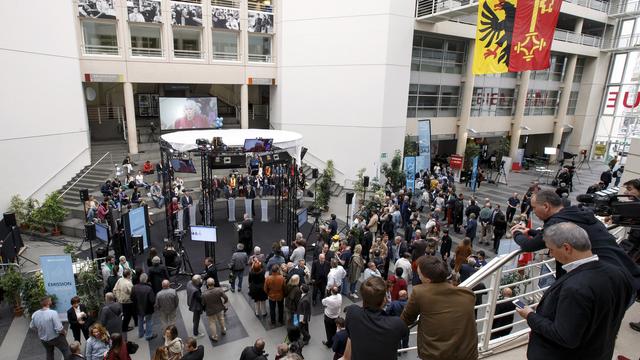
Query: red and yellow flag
{"x": 514, "y": 35}
{"x": 533, "y": 30}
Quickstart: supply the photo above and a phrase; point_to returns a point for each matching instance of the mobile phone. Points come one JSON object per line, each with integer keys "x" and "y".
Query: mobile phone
{"x": 519, "y": 303}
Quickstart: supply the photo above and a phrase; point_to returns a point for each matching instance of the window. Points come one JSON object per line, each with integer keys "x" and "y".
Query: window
{"x": 433, "y": 100}
{"x": 577, "y": 75}
{"x": 145, "y": 40}
{"x": 225, "y": 45}
{"x": 492, "y": 101}
{"x": 259, "y": 48}
{"x": 100, "y": 37}
{"x": 187, "y": 42}
{"x": 541, "y": 102}
{"x": 557, "y": 67}
{"x": 573, "y": 101}
{"x": 437, "y": 55}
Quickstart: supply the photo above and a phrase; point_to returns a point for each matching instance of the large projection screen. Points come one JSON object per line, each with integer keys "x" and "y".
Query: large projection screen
{"x": 188, "y": 113}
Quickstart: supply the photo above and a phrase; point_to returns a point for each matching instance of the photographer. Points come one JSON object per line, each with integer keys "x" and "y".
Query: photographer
{"x": 547, "y": 206}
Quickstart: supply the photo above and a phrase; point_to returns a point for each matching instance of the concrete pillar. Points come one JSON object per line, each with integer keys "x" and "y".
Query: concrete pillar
{"x": 130, "y": 111}
{"x": 563, "y": 104}
{"x": 466, "y": 101}
{"x": 578, "y": 28}
{"x": 244, "y": 34}
{"x": 244, "y": 106}
{"x": 519, "y": 114}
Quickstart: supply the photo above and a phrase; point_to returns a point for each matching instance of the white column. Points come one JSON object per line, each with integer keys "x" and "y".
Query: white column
{"x": 519, "y": 114}
{"x": 244, "y": 106}
{"x": 563, "y": 104}
{"x": 467, "y": 100}
{"x": 130, "y": 111}
{"x": 578, "y": 27}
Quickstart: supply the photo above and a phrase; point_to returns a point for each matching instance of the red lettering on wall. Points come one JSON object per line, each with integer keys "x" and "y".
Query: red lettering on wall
{"x": 630, "y": 106}
{"x": 613, "y": 96}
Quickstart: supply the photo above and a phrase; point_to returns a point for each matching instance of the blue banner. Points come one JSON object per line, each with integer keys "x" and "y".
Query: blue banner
{"x": 424, "y": 144}
{"x": 410, "y": 171}
{"x": 474, "y": 174}
{"x": 58, "y": 280}
{"x": 138, "y": 224}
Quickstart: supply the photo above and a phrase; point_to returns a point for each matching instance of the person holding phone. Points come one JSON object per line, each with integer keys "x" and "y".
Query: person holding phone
{"x": 579, "y": 315}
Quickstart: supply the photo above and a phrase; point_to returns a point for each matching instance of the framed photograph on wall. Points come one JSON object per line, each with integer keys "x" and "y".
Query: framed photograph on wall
{"x": 260, "y": 22}
{"x": 225, "y": 18}
{"x": 97, "y": 9}
{"x": 185, "y": 14}
{"x": 147, "y": 11}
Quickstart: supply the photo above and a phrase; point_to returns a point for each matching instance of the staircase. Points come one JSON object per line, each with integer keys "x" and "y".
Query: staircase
{"x": 336, "y": 189}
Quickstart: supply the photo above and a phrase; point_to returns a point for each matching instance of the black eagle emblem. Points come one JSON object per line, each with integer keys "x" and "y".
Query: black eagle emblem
{"x": 497, "y": 32}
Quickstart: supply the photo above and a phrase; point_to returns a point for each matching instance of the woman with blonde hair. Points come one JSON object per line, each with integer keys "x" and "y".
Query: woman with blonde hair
{"x": 293, "y": 295}
{"x": 162, "y": 353}
{"x": 173, "y": 343}
{"x": 98, "y": 342}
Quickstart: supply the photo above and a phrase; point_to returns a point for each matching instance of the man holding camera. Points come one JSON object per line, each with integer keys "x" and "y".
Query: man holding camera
{"x": 547, "y": 206}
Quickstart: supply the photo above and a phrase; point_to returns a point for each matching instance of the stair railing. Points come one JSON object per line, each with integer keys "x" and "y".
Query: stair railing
{"x": 59, "y": 171}
{"x": 85, "y": 173}
{"x": 528, "y": 283}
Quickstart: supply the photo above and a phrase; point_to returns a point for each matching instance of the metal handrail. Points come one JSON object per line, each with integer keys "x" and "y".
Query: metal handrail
{"x": 85, "y": 173}
{"x": 624, "y": 7}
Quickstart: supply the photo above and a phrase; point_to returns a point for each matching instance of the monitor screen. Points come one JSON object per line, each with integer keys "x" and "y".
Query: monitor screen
{"x": 102, "y": 232}
{"x": 204, "y": 233}
{"x": 188, "y": 113}
{"x": 138, "y": 224}
{"x": 183, "y": 166}
{"x": 257, "y": 145}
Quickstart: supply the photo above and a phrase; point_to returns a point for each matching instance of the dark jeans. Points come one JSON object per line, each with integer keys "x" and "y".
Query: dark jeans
{"x": 510, "y": 213}
{"x": 330, "y": 328}
{"x": 196, "y": 322}
{"x": 404, "y": 342}
{"x": 128, "y": 312}
{"x": 76, "y": 332}
{"x": 497, "y": 235}
{"x": 237, "y": 277}
{"x": 272, "y": 310}
{"x": 304, "y": 329}
{"x": 61, "y": 343}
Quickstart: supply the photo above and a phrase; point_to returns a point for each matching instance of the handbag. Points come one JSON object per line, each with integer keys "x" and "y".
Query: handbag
{"x": 296, "y": 320}
{"x": 132, "y": 347}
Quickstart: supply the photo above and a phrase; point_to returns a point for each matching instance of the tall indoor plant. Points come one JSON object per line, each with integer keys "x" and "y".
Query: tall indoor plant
{"x": 53, "y": 211}
{"x": 12, "y": 283}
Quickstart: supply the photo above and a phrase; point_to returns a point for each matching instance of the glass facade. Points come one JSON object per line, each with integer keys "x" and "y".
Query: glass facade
{"x": 225, "y": 45}
{"x": 437, "y": 55}
{"x": 100, "y": 38}
{"x": 187, "y": 42}
{"x": 492, "y": 101}
{"x": 259, "y": 48}
{"x": 145, "y": 40}
{"x": 433, "y": 100}
{"x": 541, "y": 102}
{"x": 573, "y": 101}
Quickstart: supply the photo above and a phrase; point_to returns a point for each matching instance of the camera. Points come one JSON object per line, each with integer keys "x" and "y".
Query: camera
{"x": 624, "y": 210}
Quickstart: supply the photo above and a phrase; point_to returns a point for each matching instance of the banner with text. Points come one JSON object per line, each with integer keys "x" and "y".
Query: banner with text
{"x": 410, "y": 171}
{"x": 424, "y": 145}
{"x": 57, "y": 272}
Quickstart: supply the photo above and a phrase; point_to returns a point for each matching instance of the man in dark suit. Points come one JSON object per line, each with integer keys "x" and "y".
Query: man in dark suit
{"x": 245, "y": 234}
{"x": 157, "y": 273}
{"x": 319, "y": 272}
{"x": 144, "y": 301}
{"x": 579, "y": 315}
{"x": 111, "y": 314}
{"x": 210, "y": 271}
{"x": 193, "y": 350}
{"x": 186, "y": 202}
{"x": 78, "y": 323}
{"x": 503, "y": 308}
{"x": 304, "y": 310}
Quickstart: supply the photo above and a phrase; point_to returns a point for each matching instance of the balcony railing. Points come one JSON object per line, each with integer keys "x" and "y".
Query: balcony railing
{"x": 100, "y": 50}
{"x": 260, "y": 58}
{"x": 259, "y": 6}
{"x": 624, "y": 7}
{"x": 591, "y": 4}
{"x": 146, "y": 52}
{"x": 217, "y": 55}
{"x": 622, "y": 42}
{"x": 188, "y": 54}
{"x": 583, "y": 39}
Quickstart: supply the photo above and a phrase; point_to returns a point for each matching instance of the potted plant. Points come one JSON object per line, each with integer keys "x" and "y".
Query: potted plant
{"x": 31, "y": 219}
{"x": 19, "y": 207}
{"x": 12, "y": 283}
{"x": 53, "y": 211}
{"x": 324, "y": 187}
{"x": 33, "y": 291}
{"x": 89, "y": 285}
{"x": 38, "y": 219}
{"x": 393, "y": 172}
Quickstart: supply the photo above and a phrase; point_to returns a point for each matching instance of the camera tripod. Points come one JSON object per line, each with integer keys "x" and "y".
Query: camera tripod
{"x": 182, "y": 252}
{"x": 501, "y": 173}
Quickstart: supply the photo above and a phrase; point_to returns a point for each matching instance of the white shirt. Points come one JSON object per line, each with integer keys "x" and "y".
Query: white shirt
{"x": 335, "y": 277}
{"x": 369, "y": 273}
{"x": 406, "y": 268}
{"x": 332, "y": 305}
{"x": 574, "y": 264}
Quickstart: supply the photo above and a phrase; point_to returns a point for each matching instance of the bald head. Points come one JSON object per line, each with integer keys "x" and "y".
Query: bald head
{"x": 403, "y": 295}
{"x": 165, "y": 284}
{"x": 210, "y": 282}
{"x": 259, "y": 344}
{"x": 507, "y": 292}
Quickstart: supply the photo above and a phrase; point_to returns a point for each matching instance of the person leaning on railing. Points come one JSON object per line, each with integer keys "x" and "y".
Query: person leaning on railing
{"x": 547, "y": 206}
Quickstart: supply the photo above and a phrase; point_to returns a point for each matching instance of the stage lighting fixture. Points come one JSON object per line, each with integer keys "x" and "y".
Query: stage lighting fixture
{"x": 303, "y": 152}
{"x": 201, "y": 142}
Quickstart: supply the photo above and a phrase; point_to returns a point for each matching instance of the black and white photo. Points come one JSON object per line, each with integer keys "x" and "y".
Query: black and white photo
{"x": 225, "y": 18}
{"x": 260, "y": 22}
{"x": 186, "y": 14}
{"x": 98, "y": 9}
{"x": 147, "y": 11}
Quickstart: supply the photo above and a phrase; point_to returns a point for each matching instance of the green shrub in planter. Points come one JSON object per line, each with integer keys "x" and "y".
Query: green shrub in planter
{"x": 11, "y": 282}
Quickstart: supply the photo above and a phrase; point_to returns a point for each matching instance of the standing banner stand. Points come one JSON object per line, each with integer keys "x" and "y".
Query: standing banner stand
{"x": 231, "y": 207}
{"x": 192, "y": 213}
{"x": 248, "y": 208}
{"x": 181, "y": 219}
{"x": 59, "y": 281}
{"x": 264, "y": 204}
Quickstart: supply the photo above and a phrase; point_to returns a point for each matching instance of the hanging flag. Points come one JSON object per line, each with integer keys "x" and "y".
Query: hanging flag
{"x": 533, "y": 30}
{"x": 493, "y": 36}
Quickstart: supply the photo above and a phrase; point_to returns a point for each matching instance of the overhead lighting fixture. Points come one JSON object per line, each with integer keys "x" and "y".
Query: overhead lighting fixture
{"x": 472, "y": 130}
{"x": 524, "y": 127}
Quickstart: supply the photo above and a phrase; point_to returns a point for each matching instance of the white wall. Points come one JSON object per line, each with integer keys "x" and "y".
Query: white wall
{"x": 42, "y": 112}
{"x": 343, "y": 78}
